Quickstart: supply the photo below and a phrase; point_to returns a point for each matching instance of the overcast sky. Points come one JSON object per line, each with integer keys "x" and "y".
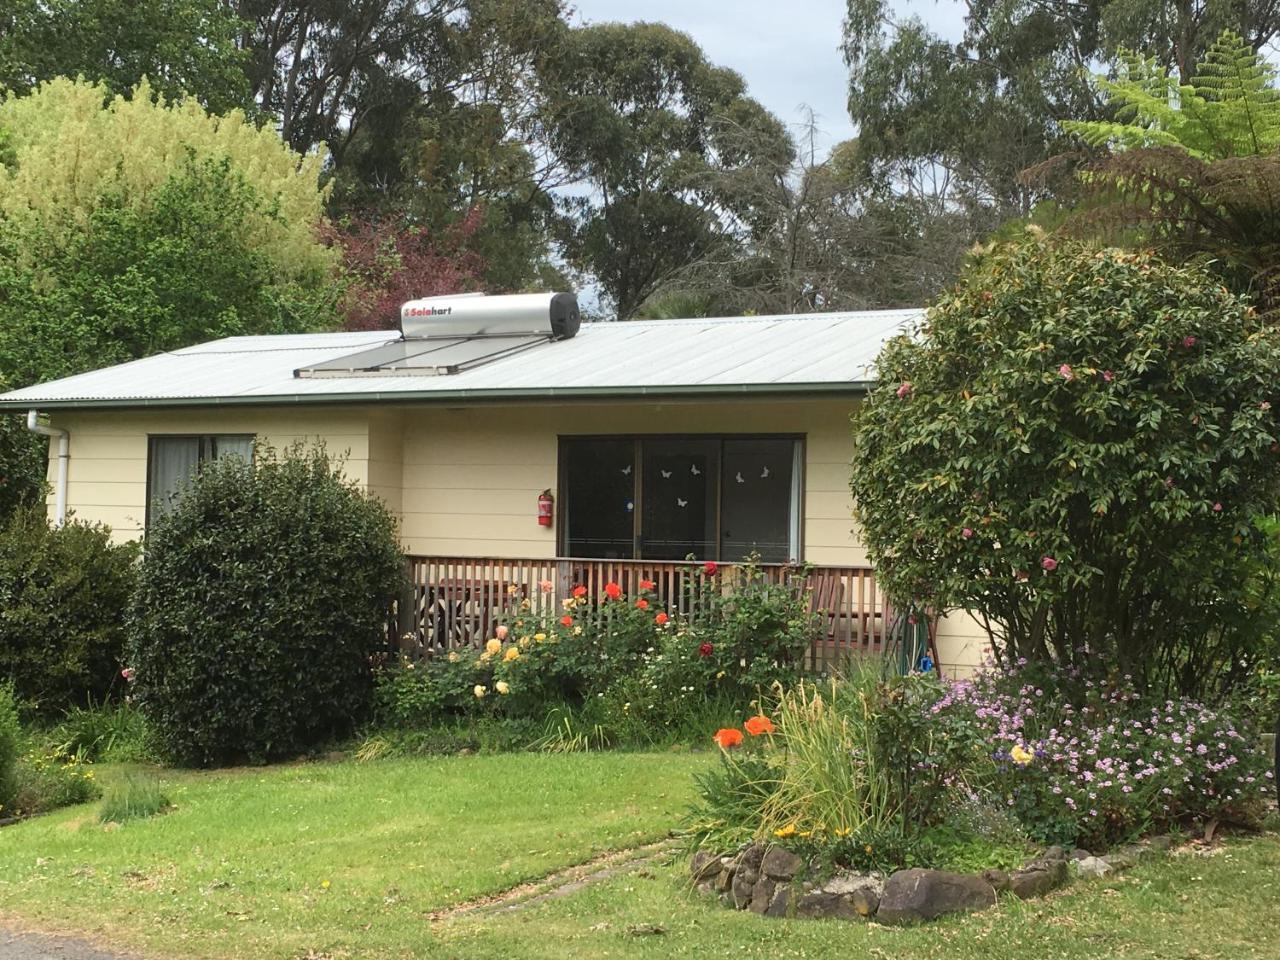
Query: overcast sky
{"x": 788, "y": 50}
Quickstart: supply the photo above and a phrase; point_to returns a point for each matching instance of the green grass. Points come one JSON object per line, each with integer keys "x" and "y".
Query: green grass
{"x": 238, "y": 869}
{"x": 133, "y": 798}
{"x": 269, "y": 862}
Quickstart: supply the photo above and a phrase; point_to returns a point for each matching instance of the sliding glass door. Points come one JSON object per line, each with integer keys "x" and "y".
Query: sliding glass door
{"x": 712, "y": 497}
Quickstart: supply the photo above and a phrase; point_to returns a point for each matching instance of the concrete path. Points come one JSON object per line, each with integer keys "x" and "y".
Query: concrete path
{"x": 39, "y": 946}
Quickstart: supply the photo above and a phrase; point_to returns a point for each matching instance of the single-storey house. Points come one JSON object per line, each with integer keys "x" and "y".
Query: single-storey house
{"x": 517, "y": 446}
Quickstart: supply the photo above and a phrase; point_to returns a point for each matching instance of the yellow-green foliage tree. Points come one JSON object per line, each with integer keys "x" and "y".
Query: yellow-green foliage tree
{"x": 71, "y": 144}
{"x": 134, "y": 225}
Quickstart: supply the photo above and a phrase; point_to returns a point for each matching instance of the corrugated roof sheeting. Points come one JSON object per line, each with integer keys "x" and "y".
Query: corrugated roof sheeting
{"x": 817, "y": 351}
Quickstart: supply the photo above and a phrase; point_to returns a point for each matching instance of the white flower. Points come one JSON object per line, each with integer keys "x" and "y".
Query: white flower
{"x": 502, "y": 687}
{"x": 479, "y": 690}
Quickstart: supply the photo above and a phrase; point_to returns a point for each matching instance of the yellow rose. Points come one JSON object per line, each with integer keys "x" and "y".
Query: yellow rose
{"x": 493, "y": 647}
{"x": 502, "y": 687}
{"x": 453, "y": 656}
{"x": 479, "y": 690}
{"x": 513, "y": 653}
{"x": 539, "y": 637}
{"x": 568, "y": 603}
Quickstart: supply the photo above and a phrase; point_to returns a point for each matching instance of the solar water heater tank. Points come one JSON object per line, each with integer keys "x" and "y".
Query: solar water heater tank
{"x": 553, "y": 315}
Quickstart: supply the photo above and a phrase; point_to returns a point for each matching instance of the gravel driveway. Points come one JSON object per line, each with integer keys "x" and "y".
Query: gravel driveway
{"x": 38, "y": 946}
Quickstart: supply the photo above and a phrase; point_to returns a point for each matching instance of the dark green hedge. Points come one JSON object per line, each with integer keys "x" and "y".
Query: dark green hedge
{"x": 64, "y": 594}
{"x": 262, "y": 597}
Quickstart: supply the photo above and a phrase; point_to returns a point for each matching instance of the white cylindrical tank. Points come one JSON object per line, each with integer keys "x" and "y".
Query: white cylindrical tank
{"x": 552, "y": 315}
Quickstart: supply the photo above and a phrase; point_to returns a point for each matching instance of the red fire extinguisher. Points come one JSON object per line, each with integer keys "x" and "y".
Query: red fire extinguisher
{"x": 546, "y": 508}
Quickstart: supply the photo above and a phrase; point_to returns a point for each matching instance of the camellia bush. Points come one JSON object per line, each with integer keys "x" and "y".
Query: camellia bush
{"x": 263, "y": 597}
{"x": 1074, "y": 446}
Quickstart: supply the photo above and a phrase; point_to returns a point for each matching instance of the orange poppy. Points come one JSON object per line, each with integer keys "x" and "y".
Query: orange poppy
{"x": 642, "y": 604}
{"x": 728, "y": 737}
{"x": 758, "y": 725}
{"x": 566, "y": 621}
{"x": 613, "y": 591}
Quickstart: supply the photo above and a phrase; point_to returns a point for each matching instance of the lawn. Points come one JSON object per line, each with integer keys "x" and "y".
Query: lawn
{"x": 343, "y": 860}
{"x": 272, "y": 862}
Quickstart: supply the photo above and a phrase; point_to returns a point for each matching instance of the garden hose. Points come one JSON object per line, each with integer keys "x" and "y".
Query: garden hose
{"x": 908, "y": 646}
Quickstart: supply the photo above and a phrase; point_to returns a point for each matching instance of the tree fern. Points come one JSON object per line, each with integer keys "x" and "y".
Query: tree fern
{"x": 1231, "y": 107}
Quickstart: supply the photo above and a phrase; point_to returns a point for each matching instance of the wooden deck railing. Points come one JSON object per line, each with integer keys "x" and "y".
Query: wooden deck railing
{"x": 457, "y": 602}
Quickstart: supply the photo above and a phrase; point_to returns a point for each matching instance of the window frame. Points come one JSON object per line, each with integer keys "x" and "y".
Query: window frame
{"x": 797, "y": 498}
{"x": 205, "y": 452}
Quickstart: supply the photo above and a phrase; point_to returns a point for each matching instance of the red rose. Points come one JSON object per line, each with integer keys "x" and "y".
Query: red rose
{"x": 647, "y": 584}
{"x": 642, "y": 604}
{"x": 660, "y": 619}
{"x": 579, "y": 591}
{"x": 705, "y": 650}
{"x": 710, "y": 568}
{"x": 566, "y": 621}
{"x": 613, "y": 591}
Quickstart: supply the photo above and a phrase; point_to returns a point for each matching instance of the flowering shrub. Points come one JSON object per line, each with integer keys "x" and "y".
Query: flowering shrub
{"x": 632, "y": 664}
{"x": 1092, "y": 763}
{"x": 1075, "y": 444}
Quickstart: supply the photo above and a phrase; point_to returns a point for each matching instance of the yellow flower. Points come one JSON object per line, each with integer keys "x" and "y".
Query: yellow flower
{"x": 324, "y": 884}
{"x": 493, "y": 647}
{"x": 568, "y": 603}
{"x": 577, "y": 631}
{"x": 805, "y": 833}
{"x": 788, "y": 831}
{"x": 1021, "y": 755}
{"x": 868, "y": 849}
{"x": 842, "y": 831}
{"x": 512, "y": 590}
{"x": 513, "y": 653}
{"x": 479, "y": 690}
{"x": 502, "y": 687}
{"x": 524, "y": 604}
{"x": 453, "y": 656}
{"x": 523, "y": 643}
{"x": 539, "y": 637}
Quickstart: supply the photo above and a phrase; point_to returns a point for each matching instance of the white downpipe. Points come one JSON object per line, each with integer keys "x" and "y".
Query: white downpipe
{"x": 64, "y": 458}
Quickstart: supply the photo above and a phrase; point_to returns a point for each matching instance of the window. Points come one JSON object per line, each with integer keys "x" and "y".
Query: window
{"x": 172, "y": 461}
{"x": 667, "y": 498}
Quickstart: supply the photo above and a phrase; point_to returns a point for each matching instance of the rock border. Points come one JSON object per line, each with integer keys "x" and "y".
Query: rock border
{"x": 769, "y": 880}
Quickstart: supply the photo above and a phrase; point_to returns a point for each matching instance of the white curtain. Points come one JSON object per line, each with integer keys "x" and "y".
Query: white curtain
{"x": 173, "y": 463}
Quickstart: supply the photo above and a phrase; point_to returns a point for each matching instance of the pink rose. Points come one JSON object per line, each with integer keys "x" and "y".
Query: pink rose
{"x": 967, "y": 532}
{"x": 127, "y": 673}
{"x": 545, "y": 585}
{"x": 1108, "y": 376}
{"x": 1066, "y": 372}
{"x": 1049, "y": 564}
{"x": 904, "y": 389}
{"x": 501, "y": 632}
{"x": 1264, "y": 405}
{"x": 1188, "y": 341}
{"x": 1217, "y": 508}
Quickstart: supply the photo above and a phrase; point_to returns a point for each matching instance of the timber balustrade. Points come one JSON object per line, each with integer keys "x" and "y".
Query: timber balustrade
{"x": 457, "y": 602}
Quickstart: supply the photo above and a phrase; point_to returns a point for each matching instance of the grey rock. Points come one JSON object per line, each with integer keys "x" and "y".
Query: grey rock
{"x": 780, "y": 863}
{"x": 742, "y": 892}
{"x": 724, "y": 881}
{"x": 998, "y": 879}
{"x": 1120, "y": 861}
{"x": 820, "y": 904}
{"x": 1038, "y": 878}
{"x": 750, "y": 857}
{"x": 1053, "y": 853}
{"x": 1092, "y": 867}
{"x": 1160, "y": 844}
{"x": 1079, "y": 853}
{"x": 706, "y": 886}
{"x": 916, "y": 894}
{"x": 705, "y": 866}
{"x": 862, "y": 892}
{"x": 762, "y": 896}
{"x": 781, "y": 902}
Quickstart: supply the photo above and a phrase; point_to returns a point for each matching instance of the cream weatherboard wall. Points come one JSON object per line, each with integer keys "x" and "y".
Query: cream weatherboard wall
{"x": 465, "y": 480}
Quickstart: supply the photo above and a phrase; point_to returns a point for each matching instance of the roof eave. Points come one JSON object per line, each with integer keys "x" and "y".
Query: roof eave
{"x": 449, "y": 396}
